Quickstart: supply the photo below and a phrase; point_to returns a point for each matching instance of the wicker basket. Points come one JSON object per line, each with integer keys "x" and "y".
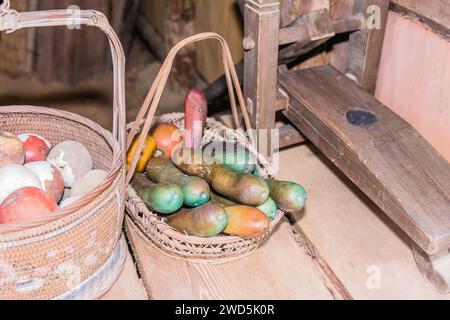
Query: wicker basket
{"x": 153, "y": 228}
{"x": 49, "y": 257}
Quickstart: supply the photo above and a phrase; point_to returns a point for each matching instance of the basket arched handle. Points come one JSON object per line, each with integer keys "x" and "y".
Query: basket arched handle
{"x": 154, "y": 95}
{"x": 11, "y": 20}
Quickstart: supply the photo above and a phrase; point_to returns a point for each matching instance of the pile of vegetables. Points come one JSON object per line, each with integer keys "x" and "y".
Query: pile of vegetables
{"x": 206, "y": 196}
{"x": 36, "y": 179}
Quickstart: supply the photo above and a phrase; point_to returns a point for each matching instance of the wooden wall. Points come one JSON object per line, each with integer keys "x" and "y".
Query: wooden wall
{"x": 414, "y": 78}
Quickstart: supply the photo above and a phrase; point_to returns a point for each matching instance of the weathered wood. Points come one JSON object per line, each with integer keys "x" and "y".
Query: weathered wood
{"x": 388, "y": 160}
{"x": 280, "y": 269}
{"x": 369, "y": 254}
{"x": 312, "y": 29}
{"x": 414, "y": 77}
{"x": 365, "y": 46}
{"x": 434, "y": 13}
{"x": 435, "y": 268}
{"x": 71, "y": 56}
{"x": 128, "y": 286}
{"x": 262, "y": 20}
{"x": 289, "y": 136}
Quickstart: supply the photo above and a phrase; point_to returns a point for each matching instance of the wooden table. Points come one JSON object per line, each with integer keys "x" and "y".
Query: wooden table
{"x": 366, "y": 252}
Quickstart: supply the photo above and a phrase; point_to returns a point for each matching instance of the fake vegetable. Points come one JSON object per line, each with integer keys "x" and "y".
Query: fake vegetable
{"x": 243, "y": 188}
{"x": 148, "y": 151}
{"x": 245, "y": 221}
{"x": 232, "y": 155}
{"x": 36, "y": 147}
{"x": 11, "y": 149}
{"x": 26, "y": 204}
{"x": 72, "y": 159}
{"x": 208, "y": 220}
{"x": 168, "y": 137}
{"x": 196, "y": 110}
{"x": 161, "y": 198}
{"x": 269, "y": 208}
{"x": 15, "y": 177}
{"x": 289, "y": 196}
{"x": 196, "y": 190}
{"x": 51, "y": 179}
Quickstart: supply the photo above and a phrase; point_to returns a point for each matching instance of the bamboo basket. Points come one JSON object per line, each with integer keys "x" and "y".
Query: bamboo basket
{"x": 153, "y": 228}
{"x": 51, "y": 257}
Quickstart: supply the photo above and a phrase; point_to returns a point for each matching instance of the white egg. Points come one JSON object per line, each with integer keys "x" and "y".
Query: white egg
{"x": 72, "y": 159}
{"x": 15, "y": 177}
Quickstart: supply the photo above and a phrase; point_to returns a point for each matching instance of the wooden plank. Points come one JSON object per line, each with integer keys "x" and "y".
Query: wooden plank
{"x": 365, "y": 46}
{"x": 224, "y": 18}
{"x": 436, "y": 10}
{"x": 413, "y": 78}
{"x": 278, "y": 270}
{"x": 359, "y": 242}
{"x": 128, "y": 286}
{"x": 388, "y": 159}
{"x": 262, "y": 19}
{"x": 62, "y": 55}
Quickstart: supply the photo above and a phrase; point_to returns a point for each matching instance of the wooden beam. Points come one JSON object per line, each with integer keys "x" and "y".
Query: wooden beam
{"x": 365, "y": 46}
{"x": 262, "y": 20}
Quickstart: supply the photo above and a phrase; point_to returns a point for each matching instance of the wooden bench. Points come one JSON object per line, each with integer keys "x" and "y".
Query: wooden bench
{"x": 386, "y": 158}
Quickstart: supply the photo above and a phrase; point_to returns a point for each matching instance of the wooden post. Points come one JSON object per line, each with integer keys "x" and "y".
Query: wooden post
{"x": 262, "y": 20}
{"x": 365, "y": 46}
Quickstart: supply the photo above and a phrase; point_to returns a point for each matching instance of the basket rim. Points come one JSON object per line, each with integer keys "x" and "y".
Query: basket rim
{"x": 116, "y": 166}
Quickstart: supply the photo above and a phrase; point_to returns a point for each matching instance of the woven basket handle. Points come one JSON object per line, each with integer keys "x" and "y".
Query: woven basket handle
{"x": 154, "y": 95}
{"x": 11, "y": 20}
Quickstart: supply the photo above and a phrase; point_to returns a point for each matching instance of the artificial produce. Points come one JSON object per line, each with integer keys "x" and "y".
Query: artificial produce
{"x": 232, "y": 155}
{"x": 289, "y": 196}
{"x": 161, "y": 198}
{"x": 269, "y": 208}
{"x": 168, "y": 137}
{"x": 206, "y": 221}
{"x": 196, "y": 110}
{"x": 72, "y": 159}
{"x": 25, "y": 204}
{"x": 148, "y": 151}
{"x": 36, "y": 147}
{"x": 210, "y": 191}
{"x": 51, "y": 179}
{"x": 11, "y": 149}
{"x": 245, "y": 221}
{"x": 34, "y": 177}
{"x": 196, "y": 190}
{"x": 243, "y": 188}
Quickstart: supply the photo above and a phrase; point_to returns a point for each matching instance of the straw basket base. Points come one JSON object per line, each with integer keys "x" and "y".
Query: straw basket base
{"x": 103, "y": 280}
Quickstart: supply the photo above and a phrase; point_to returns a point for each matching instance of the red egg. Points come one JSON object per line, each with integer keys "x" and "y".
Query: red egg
{"x": 36, "y": 147}
{"x": 51, "y": 179}
{"x": 11, "y": 149}
{"x": 26, "y": 204}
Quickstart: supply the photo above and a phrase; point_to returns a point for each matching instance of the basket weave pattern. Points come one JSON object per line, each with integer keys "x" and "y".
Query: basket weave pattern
{"x": 214, "y": 250}
{"x": 49, "y": 260}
